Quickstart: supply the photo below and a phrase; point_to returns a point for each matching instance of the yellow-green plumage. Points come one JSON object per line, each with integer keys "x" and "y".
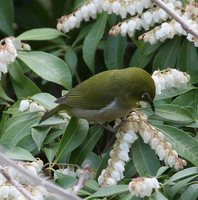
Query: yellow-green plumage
{"x": 106, "y": 96}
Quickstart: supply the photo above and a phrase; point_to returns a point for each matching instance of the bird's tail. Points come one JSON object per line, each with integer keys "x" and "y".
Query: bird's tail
{"x": 50, "y": 113}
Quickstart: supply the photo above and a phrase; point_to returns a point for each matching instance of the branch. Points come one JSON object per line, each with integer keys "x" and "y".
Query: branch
{"x": 16, "y": 184}
{"x": 38, "y": 180}
{"x": 176, "y": 17}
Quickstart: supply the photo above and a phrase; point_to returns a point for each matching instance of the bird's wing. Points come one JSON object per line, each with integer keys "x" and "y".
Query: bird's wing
{"x": 83, "y": 97}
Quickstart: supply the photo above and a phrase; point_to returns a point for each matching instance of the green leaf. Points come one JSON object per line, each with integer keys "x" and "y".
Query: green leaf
{"x": 87, "y": 146}
{"x": 54, "y": 133}
{"x": 91, "y": 41}
{"x": 50, "y": 151}
{"x": 109, "y": 191}
{"x": 23, "y": 86}
{"x": 190, "y": 193}
{"x": 183, "y": 143}
{"x": 174, "y": 113}
{"x": 17, "y": 127}
{"x": 167, "y": 54}
{"x": 40, "y": 34}
{"x": 172, "y": 92}
{"x": 71, "y": 59}
{"x": 3, "y": 95}
{"x": 45, "y": 99}
{"x": 181, "y": 184}
{"x": 18, "y": 153}
{"x": 39, "y": 134}
{"x": 187, "y": 60}
{"x": 158, "y": 196}
{"x": 189, "y": 98}
{"x": 66, "y": 181}
{"x": 139, "y": 59}
{"x": 144, "y": 158}
{"x": 48, "y": 67}
{"x": 183, "y": 174}
{"x": 114, "y": 51}
{"x": 6, "y": 16}
{"x": 74, "y": 135}
{"x": 161, "y": 170}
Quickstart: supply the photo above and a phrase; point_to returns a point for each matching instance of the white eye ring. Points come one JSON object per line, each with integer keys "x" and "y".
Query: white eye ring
{"x": 145, "y": 95}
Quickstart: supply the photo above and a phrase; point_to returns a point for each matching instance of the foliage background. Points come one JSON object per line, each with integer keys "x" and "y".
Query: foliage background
{"x": 73, "y": 58}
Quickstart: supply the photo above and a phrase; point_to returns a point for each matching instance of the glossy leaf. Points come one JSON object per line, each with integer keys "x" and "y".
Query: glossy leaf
{"x": 108, "y": 191}
{"x": 190, "y": 193}
{"x": 39, "y": 134}
{"x": 174, "y": 113}
{"x": 3, "y": 95}
{"x": 74, "y": 135}
{"x": 172, "y": 92}
{"x": 189, "y": 98}
{"x": 6, "y": 16}
{"x": 144, "y": 159}
{"x": 91, "y": 41}
{"x": 114, "y": 50}
{"x": 18, "y": 153}
{"x": 17, "y": 127}
{"x": 71, "y": 59}
{"x": 187, "y": 60}
{"x": 48, "y": 67}
{"x": 182, "y": 142}
{"x": 23, "y": 86}
{"x": 167, "y": 54}
{"x": 50, "y": 151}
{"x": 87, "y": 146}
{"x": 40, "y": 34}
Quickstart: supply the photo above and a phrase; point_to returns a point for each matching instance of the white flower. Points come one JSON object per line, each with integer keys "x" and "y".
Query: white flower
{"x": 143, "y": 186}
{"x": 4, "y": 191}
{"x": 116, "y": 175}
{"x": 131, "y": 9}
{"x": 116, "y": 7}
{"x": 24, "y": 105}
{"x": 34, "y": 107}
{"x": 110, "y": 181}
{"x": 119, "y": 165}
{"x": 124, "y": 146}
{"x": 124, "y": 28}
{"x": 123, "y": 12}
{"x": 3, "y": 68}
{"x": 72, "y": 21}
{"x": 154, "y": 142}
{"x": 123, "y": 155}
{"x": 138, "y": 6}
{"x": 85, "y": 12}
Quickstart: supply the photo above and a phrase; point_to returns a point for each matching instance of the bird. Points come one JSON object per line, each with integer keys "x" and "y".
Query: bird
{"x": 107, "y": 96}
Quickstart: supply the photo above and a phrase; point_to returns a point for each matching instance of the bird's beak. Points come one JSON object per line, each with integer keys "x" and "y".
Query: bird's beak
{"x": 152, "y": 105}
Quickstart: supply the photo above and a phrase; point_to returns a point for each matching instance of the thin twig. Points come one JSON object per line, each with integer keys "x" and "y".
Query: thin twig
{"x": 82, "y": 178}
{"x": 38, "y": 180}
{"x": 16, "y": 184}
{"x": 176, "y": 17}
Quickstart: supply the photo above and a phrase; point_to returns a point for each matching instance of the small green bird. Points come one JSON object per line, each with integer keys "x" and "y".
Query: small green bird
{"x": 107, "y": 96}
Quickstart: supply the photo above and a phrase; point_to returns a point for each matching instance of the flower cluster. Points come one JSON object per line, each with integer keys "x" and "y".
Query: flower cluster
{"x": 156, "y": 140}
{"x": 8, "y": 191}
{"x": 70, "y": 171}
{"x": 91, "y": 8}
{"x": 8, "y": 54}
{"x": 126, "y": 135}
{"x": 143, "y": 187}
{"x": 169, "y": 78}
{"x": 119, "y": 155}
{"x": 32, "y": 106}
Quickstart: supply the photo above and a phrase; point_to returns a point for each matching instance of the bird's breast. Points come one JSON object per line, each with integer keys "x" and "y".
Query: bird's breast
{"x": 109, "y": 113}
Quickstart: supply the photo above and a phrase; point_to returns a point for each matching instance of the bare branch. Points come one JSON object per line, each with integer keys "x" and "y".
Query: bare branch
{"x": 16, "y": 184}
{"x": 38, "y": 180}
{"x": 175, "y": 16}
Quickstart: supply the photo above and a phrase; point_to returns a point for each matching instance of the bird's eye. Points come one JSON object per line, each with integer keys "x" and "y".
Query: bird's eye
{"x": 145, "y": 95}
